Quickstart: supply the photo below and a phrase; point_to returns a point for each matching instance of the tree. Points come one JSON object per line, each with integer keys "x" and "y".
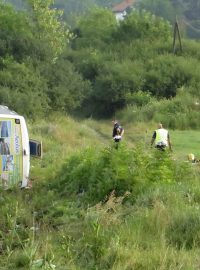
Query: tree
{"x": 143, "y": 25}
{"x": 161, "y": 8}
{"x": 96, "y": 28}
{"x": 66, "y": 87}
{"x": 16, "y": 33}
{"x": 115, "y": 82}
{"x": 22, "y": 88}
{"x": 50, "y": 27}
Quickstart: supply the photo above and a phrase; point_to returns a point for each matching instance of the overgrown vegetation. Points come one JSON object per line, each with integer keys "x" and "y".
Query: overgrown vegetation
{"x": 181, "y": 112}
{"x": 186, "y": 11}
{"x": 92, "y": 205}
{"x": 93, "y": 69}
{"x": 101, "y": 207}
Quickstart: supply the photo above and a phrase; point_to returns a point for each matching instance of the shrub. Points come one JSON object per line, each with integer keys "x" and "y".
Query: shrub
{"x": 92, "y": 175}
{"x": 143, "y": 25}
{"x": 22, "y": 85}
{"x": 21, "y": 260}
{"x": 180, "y": 112}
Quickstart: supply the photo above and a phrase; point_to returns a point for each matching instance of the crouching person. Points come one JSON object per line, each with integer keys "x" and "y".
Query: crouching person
{"x": 161, "y": 138}
{"x": 118, "y": 132}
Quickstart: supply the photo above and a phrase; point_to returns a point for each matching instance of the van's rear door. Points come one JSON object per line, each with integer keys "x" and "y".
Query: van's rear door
{"x": 11, "y": 167}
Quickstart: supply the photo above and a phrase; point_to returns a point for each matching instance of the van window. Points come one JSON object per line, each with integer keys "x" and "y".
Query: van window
{"x": 35, "y": 148}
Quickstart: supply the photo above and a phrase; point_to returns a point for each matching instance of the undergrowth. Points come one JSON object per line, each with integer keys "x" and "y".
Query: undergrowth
{"x": 92, "y": 174}
{"x": 102, "y": 208}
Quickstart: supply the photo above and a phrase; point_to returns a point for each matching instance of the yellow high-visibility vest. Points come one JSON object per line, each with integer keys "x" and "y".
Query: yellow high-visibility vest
{"x": 161, "y": 136}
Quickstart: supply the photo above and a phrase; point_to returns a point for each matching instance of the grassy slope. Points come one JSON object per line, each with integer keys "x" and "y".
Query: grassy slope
{"x": 72, "y": 238}
{"x": 157, "y": 253}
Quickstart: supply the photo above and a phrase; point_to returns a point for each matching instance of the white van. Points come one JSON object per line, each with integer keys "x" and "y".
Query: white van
{"x": 15, "y": 149}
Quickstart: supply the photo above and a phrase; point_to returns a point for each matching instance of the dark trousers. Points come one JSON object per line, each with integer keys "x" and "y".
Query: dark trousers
{"x": 161, "y": 147}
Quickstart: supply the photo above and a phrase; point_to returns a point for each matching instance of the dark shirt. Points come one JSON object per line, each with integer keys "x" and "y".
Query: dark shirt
{"x": 115, "y": 130}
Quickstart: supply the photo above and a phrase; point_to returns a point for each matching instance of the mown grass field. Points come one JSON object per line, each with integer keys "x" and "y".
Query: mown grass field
{"x": 185, "y": 142}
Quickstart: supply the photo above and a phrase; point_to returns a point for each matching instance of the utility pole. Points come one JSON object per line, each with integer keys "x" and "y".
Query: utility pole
{"x": 177, "y": 33}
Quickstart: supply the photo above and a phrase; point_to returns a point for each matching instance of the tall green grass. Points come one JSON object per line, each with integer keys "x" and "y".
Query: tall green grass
{"x": 93, "y": 174}
{"x": 93, "y": 206}
{"x": 181, "y": 112}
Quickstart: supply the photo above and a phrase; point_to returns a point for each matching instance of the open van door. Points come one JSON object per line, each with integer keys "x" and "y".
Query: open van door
{"x": 35, "y": 148}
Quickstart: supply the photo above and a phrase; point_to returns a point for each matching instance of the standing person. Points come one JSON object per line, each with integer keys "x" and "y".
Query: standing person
{"x": 118, "y": 131}
{"x": 161, "y": 138}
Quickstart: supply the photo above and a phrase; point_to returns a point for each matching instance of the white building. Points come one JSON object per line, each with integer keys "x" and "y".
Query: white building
{"x": 121, "y": 9}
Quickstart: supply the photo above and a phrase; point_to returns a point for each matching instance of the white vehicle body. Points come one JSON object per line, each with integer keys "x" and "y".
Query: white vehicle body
{"x": 14, "y": 149}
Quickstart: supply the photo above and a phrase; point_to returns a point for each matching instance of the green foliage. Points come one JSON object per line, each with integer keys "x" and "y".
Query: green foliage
{"x": 165, "y": 9}
{"x": 139, "y": 98}
{"x": 184, "y": 230}
{"x": 137, "y": 58}
{"x": 87, "y": 62}
{"x": 67, "y": 221}
{"x": 95, "y": 30}
{"x": 143, "y": 25}
{"x": 31, "y": 80}
{"x": 94, "y": 175}
{"x": 16, "y": 36}
{"x": 186, "y": 11}
{"x": 22, "y": 89}
{"x": 114, "y": 82}
{"x": 110, "y": 65}
{"x": 66, "y": 87}
{"x": 20, "y": 261}
{"x": 50, "y": 28}
{"x": 165, "y": 75}
{"x": 181, "y": 112}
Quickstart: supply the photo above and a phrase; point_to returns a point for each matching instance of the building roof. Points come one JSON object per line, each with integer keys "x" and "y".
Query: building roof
{"x": 123, "y": 6}
{"x": 5, "y": 110}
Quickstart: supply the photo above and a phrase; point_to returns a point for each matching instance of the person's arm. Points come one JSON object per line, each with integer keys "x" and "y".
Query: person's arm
{"x": 122, "y": 132}
{"x": 169, "y": 142}
{"x": 153, "y": 138}
{"x": 113, "y": 133}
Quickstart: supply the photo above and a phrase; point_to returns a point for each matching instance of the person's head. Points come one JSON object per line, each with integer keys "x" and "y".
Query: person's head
{"x": 1, "y": 139}
{"x": 115, "y": 123}
{"x": 160, "y": 125}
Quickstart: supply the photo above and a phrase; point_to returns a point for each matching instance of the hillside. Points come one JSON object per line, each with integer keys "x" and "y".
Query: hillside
{"x": 97, "y": 68}
{"x": 70, "y": 6}
{"x": 186, "y": 12}
{"x": 93, "y": 205}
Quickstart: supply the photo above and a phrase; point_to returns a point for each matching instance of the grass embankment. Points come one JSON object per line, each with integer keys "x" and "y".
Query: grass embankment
{"x": 66, "y": 221}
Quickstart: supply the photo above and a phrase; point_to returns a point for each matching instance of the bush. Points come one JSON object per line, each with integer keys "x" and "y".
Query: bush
{"x": 143, "y": 25}
{"x": 22, "y": 89}
{"x": 21, "y": 261}
{"x": 92, "y": 175}
{"x": 139, "y": 98}
{"x": 181, "y": 112}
